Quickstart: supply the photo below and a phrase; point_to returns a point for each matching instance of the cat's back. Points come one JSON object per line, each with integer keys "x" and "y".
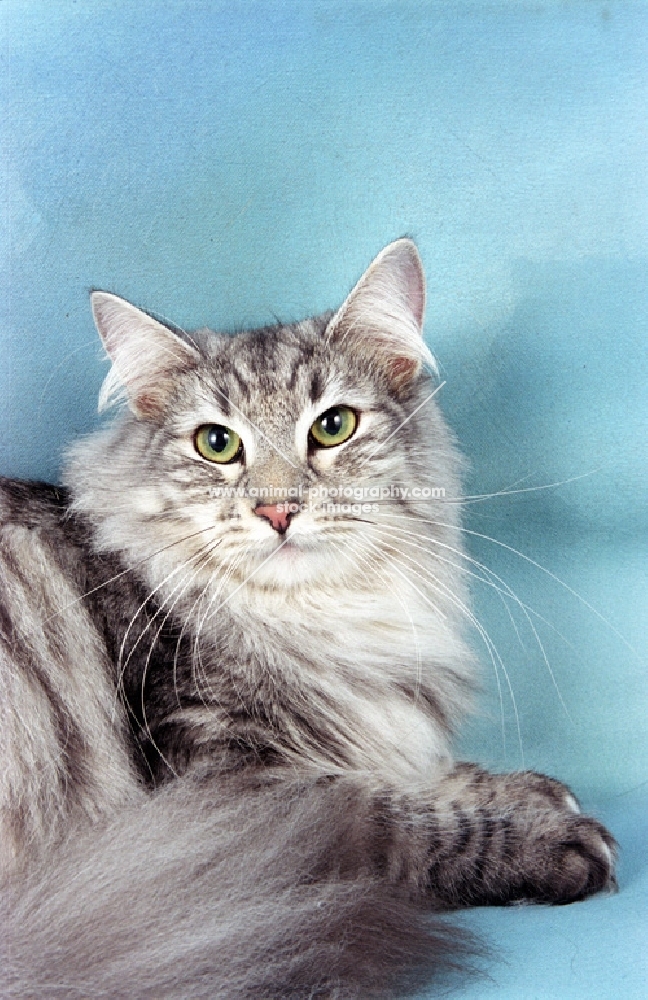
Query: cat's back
{"x": 44, "y": 560}
{"x": 61, "y": 734}
{"x": 38, "y": 539}
{"x": 31, "y": 505}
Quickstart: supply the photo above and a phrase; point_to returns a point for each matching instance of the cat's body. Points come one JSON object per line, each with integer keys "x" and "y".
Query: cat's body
{"x": 226, "y": 728}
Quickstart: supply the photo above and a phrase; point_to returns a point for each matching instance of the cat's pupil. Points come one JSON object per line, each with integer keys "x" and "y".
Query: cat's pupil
{"x": 218, "y": 438}
{"x": 331, "y": 422}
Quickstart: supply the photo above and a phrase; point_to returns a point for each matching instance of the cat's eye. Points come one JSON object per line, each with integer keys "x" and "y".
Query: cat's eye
{"x": 333, "y": 427}
{"x": 218, "y": 443}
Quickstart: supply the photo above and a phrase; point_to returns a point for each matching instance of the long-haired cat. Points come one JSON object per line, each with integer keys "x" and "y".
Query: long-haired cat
{"x": 232, "y": 660}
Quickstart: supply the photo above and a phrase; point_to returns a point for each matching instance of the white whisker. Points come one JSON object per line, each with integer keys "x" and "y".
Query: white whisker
{"x": 206, "y": 557}
{"x": 197, "y": 666}
{"x": 354, "y": 543}
{"x": 134, "y": 565}
{"x": 121, "y": 665}
{"x": 465, "y": 610}
{"x": 253, "y": 425}
{"x": 507, "y": 591}
{"x": 249, "y": 577}
{"x": 512, "y": 492}
{"x": 537, "y": 565}
{"x": 381, "y": 444}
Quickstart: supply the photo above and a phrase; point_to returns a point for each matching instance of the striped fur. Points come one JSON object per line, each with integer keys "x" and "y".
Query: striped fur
{"x": 227, "y": 766}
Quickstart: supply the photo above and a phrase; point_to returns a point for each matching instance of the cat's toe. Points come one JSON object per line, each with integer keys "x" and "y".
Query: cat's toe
{"x": 571, "y": 802}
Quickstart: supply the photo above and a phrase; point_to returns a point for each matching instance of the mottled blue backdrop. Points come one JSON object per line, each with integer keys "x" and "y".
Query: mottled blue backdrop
{"x": 224, "y": 163}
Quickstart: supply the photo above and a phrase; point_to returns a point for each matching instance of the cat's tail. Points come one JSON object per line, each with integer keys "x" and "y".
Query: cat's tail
{"x": 207, "y": 891}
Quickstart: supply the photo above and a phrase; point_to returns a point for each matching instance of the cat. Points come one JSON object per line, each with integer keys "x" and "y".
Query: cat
{"x": 233, "y": 657}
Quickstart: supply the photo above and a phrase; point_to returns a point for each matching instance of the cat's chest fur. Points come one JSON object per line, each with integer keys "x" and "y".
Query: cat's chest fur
{"x": 332, "y": 676}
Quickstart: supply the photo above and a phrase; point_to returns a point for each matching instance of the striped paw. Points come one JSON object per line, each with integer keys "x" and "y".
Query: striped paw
{"x": 581, "y": 860}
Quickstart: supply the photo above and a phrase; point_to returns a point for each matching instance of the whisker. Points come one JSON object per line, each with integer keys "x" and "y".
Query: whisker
{"x": 537, "y": 565}
{"x": 249, "y": 577}
{"x": 490, "y": 645}
{"x": 129, "y": 569}
{"x": 354, "y": 544}
{"x": 381, "y": 444}
{"x": 205, "y": 559}
{"x": 506, "y": 592}
{"x": 511, "y": 492}
{"x": 197, "y": 665}
{"x": 121, "y": 665}
{"x": 188, "y": 618}
{"x": 493, "y": 652}
{"x": 53, "y": 373}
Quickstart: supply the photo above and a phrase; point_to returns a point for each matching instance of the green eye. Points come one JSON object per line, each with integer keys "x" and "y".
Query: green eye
{"x": 217, "y": 443}
{"x": 333, "y": 427}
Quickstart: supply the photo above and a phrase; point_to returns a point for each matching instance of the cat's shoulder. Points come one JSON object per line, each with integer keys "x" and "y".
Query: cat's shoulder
{"x": 38, "y": 529}
{"x": 29, "y": 504}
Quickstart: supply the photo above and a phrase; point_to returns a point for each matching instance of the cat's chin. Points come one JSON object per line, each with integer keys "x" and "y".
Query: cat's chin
{"x": 293, "y": 562}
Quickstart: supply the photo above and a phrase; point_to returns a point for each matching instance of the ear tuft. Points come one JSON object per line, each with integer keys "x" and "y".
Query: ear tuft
{"x": 146, "y": 355}
{"x": 383, "y": 315}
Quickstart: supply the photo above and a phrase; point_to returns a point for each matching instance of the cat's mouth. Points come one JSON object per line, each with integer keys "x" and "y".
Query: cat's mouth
{"x": 291, "y": 558}
{"x": 289, "y": 546}
{"x": 297, "y": 542}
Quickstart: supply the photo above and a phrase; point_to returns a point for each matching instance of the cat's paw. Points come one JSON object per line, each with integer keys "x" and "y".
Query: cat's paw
{"x": 566, "y": 856}
{"x": 574, "y": 858}
{"x": 528, "y": 843}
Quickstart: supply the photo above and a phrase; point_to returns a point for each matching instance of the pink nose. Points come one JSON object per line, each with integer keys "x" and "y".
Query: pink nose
{"x": 276, "y": 513}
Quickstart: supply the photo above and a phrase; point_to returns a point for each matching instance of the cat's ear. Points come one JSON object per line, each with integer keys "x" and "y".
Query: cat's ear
{"x": 145, "y": 355}
{"x": 383, "y": 315}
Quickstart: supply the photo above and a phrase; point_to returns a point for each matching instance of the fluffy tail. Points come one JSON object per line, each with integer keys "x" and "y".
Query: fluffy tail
{"x": 205, "y": 892}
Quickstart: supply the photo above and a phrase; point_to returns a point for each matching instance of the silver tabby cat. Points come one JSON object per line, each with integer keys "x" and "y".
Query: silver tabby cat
{"x": 232, "y": 662}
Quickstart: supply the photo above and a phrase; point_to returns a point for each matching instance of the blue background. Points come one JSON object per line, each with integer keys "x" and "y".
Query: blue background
{"x": 226, "y": 163}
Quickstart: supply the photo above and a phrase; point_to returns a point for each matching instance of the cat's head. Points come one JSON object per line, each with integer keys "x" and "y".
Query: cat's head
{"x": 273, "y": 456}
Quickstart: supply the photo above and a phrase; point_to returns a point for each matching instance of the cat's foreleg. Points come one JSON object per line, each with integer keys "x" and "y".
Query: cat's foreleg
{"x": 467, "y": 838}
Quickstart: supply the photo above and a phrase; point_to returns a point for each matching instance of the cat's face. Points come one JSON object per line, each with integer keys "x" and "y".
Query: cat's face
{"x": 271, "y": 456}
